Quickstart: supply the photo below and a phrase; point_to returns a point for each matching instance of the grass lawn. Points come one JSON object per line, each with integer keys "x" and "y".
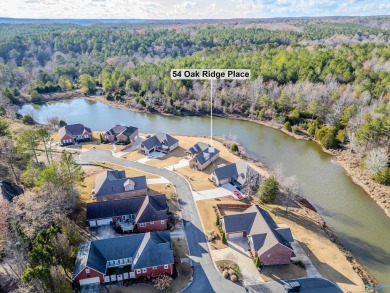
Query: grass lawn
{"x": 170, "y": 159}
{"x": 133, "y": 156}
{"x": 282, "y": 272}
{"x": 180, "y": 248}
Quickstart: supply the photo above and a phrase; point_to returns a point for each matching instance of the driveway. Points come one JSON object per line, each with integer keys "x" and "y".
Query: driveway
{"x": 211, "y": 193}
{"x": 206, "y": 278}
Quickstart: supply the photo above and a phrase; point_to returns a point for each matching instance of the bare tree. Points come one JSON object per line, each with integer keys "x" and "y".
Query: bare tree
{"x": 376, "y": 160}
{"x": 9, "y": 156}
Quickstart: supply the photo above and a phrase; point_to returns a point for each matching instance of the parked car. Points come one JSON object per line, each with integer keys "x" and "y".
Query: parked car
{"x": 292, "y": 286}
{"x": 237, "y": 194}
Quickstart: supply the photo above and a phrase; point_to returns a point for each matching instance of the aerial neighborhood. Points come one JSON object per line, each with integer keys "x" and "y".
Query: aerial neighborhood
{"x": 141, "y": 221}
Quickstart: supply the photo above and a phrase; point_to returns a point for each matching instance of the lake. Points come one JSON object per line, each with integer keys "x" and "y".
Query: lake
{"x": 353, "y": 215}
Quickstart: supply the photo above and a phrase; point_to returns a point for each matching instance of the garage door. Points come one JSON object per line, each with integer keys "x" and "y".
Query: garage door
{"x": 89, "y": 281}
{"x": 235, "y": 235}
{"x": 104, "y": 222}
{"x": 92, "y": 223}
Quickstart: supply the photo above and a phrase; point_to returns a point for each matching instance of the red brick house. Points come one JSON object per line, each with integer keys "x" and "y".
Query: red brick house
{"x": 114, "y": 184}
{"x": 122, "y": 258}
{"x": 137, "y": 214}
{"x": 270, "y": 242}
{"x": 121, "y": 133}
{"x": 73, "y": 133}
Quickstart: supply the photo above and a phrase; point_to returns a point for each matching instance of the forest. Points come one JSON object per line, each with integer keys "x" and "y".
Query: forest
{"x": 327, "y": 79}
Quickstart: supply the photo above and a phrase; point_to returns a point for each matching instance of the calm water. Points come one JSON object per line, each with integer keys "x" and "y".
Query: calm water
{"x": 362, "y": 226}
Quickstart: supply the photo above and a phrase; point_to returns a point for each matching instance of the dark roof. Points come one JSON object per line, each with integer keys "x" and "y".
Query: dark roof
{"x": 149, "y": 208}
{"x": 158, "y": 140}
{"x": 203, "y": 152}
{"x": 8, "y": 190}
{"x": 113, "y": 182}
{"x": 120, "y": 129}
{"x": 73, "y": 129}
{"x": 259, "y": 226}
{"x": 145, "y": 250}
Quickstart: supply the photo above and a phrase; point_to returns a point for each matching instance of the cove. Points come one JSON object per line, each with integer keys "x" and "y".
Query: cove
{"x": 348, "y": 210}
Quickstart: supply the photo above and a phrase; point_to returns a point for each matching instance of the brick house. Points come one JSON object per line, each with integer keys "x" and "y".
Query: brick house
{"x": 161, "y": 142}
{"x": 73, "y": 133}
{"x": 121, "y": 133}
{"x": 240, "y": 174}
{"x": 140, "y": 214}
{"x": 114, "y": 184}
{"x": 202, "y": 155}
{"x": 122, "y": 258}
{"x": 270, "y": 242}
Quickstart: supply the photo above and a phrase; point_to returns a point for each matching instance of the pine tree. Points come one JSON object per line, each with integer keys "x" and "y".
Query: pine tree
{"x": 223, "y": 238}
{"x": 101, "y": 138}
{"x": 217, "y": 222}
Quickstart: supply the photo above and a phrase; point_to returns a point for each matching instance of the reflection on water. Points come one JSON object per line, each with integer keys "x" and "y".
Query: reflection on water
{"x": 363, "y": 227}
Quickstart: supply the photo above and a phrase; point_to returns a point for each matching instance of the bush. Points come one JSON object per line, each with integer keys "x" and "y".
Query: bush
{"x": 294, "y": 129}
{"x": 162, "y": 282}
{"x": 217, "y": 222}
{"x": 27, "y": 119}
{"x": 287, "y": 126}
{"x": 231, "y": 272}
{"x": 62, "y": 123}
{"x": 382, "y": 177}
{"x": 234, "y": 148}
{"x": 268, "y": 190}
{"x": 257, "y": 262}
{"x": 233, "y": 278}
{"x": 223, "y": 238}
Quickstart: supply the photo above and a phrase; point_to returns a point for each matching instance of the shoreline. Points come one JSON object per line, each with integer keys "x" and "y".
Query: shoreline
{"x": 344, "y": 158}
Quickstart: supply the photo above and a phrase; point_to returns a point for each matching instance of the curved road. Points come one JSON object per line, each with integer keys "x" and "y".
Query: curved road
{"x": 206, "y": 278}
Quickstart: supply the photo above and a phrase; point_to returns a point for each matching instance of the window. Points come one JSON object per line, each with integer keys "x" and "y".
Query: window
{"x": 152, "y": 222}
{"x": 166, "y": 267}
{"x": 144, "y": 270}
{"x": 162, "y": 221}
{"x": 87, "y": 271}
{"x": 142, "y": 224}
{"x": 154, "y": 268}
{"x": 138, "y": 271}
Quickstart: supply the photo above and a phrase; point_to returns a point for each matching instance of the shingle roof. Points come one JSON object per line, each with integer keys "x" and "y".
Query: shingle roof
{"x": 149, "y": 208}
{"x": 158, "y": 140}
{"x": 146, "y": 250}
{"x": 203, "y": 152}
{"x": 73, "y": 129}
{"x": 120, "y": 129}
{"x": 112, "y": 182}
{"x": 259, "y": 225}
{"x": 8, "y": 190}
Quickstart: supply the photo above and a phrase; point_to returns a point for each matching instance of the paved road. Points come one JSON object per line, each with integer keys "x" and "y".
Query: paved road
{"x": 206, "y": 278}
{"x": 308, "y": 285}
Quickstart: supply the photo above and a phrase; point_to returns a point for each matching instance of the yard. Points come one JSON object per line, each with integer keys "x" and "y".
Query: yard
{"x": 209, "y": 217}
{"x": 274, "y": 273}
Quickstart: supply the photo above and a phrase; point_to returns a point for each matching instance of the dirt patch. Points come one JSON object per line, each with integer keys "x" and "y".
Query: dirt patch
{"x": 133, "y": 156}
{"x": 275, "y": 273}
{"x": 230, "y": 211}
{"x": 209, "y": 217}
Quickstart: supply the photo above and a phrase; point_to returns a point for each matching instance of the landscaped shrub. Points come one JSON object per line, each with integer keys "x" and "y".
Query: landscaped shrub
{"x": 234, "y": 148}
{"x": 223, "y": 238}
{"x": 231, "y": 272}
{"x": 162, "y": 282}
{"x": 233, "y": 278}
{"x": 217, "y": 221}
{"x": 225, "y": 274}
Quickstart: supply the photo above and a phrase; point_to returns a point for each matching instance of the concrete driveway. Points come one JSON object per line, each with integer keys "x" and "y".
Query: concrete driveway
{"x": 206, "y": 278}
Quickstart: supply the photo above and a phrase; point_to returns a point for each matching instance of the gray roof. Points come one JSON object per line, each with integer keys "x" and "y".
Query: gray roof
{"x": 240, "y": 172}
{"x": 120, "y": 129}
{"x": 8, "y": 190}
{"x": 158, "y": 140}
{"x": 259, "y": 225}
{"x": 148, "y": 208}
{"x": 146, "y": 250}
{"x": 112, "y": 182}
{"x": 73, "y": 129}
{"x": 203, "y": 152}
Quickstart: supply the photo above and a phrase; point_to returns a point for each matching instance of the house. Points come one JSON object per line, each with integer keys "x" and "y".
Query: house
{"x": 270, "y": 242}
{"x": 141, "y": 214}
{"x": 113, "y": 184}
{"x": 240, "y": 174}
{"x": 122, "y": 258}
{"x": 8, "y": 191}
{"x": 121, "y": 133}
{"x": 202, "y": 155}
{"x": 73, "y": 133}
{"x": 161, "y": 142}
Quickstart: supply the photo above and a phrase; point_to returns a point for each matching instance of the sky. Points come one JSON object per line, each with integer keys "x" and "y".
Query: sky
{"x": 189, "y": 9}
